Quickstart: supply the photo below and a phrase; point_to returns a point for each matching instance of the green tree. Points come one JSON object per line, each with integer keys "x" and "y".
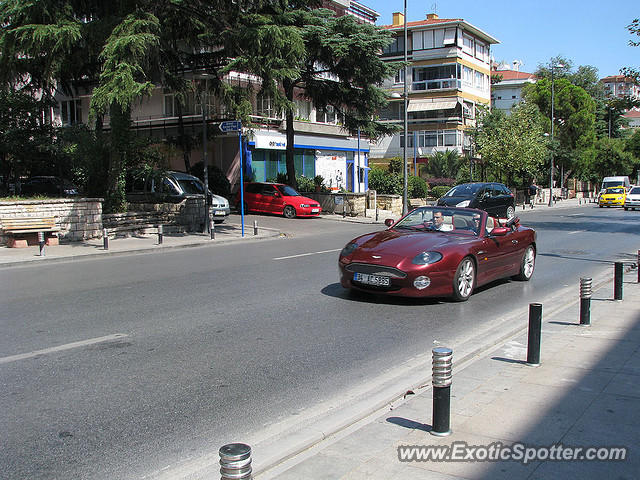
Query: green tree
{"x": 574, "y": 114}
{"x": 333, "y": 61}
{"x": 514, "y": 144}
{"x": 444, "y": 164}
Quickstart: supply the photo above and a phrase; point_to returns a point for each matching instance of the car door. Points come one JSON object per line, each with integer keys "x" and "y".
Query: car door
{"x": 493, "y": 254}
{"x": 268, "y": 199}
{"x": 483, "y": 198}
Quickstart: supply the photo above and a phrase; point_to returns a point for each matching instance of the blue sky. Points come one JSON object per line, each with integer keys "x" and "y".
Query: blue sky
{"x": 586, "y": 32}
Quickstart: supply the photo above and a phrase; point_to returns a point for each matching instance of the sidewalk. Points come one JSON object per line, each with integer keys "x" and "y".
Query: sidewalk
{"x": 585, "y": 393}
{"x": 224, "y": 233}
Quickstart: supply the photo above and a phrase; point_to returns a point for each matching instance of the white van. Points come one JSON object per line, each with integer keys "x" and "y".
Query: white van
{"x": 615, "y": 182}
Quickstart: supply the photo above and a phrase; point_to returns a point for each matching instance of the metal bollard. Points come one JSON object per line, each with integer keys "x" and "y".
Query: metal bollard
{"x": 212, "y": 230}
{"x": 255, "y": 227}
{"x": 535, "y": 328}
{"x": 105, "y": 239}
{"x": 377, "y": 219}
{"x": 585, "y": 301}
{"x": 344, "y": 207}
{"x": 160, "y": 235}
{"x": 41, "y": 242}
{"x": 442, "y": 373}
{"x": 617, "y": 280}
{"x": 235, "y": 461}
{"x": 638, "y": 265}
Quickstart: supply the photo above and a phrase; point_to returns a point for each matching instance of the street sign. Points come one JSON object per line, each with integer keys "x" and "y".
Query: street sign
{"x": 231, "y": 126}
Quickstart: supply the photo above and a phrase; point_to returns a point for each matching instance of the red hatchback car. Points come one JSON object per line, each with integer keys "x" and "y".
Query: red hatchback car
{"x": 277, "y": 198}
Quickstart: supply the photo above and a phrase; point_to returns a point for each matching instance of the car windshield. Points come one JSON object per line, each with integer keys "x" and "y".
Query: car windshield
{"x": 615, "y": 190}
{"x": 432, "y": 219}
{"x": 635, "y": 191}
{"x": 191, "y": 186}
{"x": 287, "y": 191}
{"x": 611, "y": 184}
{"x": 466, "y": 190}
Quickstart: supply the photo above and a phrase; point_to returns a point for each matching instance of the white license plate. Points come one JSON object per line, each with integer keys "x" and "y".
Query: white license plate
{"x": 315, "y": 210}
{"x": 219, "y": 212}
{"x": 372, "y": 279}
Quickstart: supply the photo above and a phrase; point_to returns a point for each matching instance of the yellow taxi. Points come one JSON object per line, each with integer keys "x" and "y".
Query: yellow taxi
{"x": 612, "y": 197}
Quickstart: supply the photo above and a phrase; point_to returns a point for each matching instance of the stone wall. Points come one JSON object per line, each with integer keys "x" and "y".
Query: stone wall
{"x": 78, "y": 219}
{"x": 335, "y": 202}
{"x": 390, "y": 202}
{"x": 82, "y": 219}
{"x": 186, "y": 216}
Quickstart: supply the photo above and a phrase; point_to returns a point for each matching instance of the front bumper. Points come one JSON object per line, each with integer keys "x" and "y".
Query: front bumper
{"x": 441, "y": 284}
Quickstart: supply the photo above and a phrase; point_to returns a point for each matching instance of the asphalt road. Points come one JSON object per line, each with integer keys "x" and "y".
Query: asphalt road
{"x": 221, "y": 342}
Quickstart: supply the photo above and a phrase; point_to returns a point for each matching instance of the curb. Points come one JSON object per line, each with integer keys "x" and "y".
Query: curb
{"x": 141, "y": 251}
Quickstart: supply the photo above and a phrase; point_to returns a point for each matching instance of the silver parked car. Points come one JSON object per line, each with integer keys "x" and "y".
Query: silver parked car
{"x": 173, "y": 187}
{"x": 632, "y": 200}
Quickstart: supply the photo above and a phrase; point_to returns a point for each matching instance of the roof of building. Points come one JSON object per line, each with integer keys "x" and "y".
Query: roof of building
{"x": 514, "y": 75}
{"x": 434, "y": 20}
{"x": 616, "y": 78}
{"x": 632, "y": 114}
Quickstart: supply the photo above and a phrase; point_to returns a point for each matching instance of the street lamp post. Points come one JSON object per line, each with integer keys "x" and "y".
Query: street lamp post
{"x": 552, "y": 122}
{"x": 205, "y": 160}
{"x": 406, "y": 121}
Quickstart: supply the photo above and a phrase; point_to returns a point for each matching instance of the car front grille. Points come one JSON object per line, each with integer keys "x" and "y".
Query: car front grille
{"x": 375, "y": 270}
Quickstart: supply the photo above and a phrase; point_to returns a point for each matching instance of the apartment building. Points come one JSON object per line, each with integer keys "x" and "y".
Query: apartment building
{"x": 448, "y": 77}
{"x": 322, "y": 146}
{"x": 508, "y": 91}
{"x": 621, "y": 86}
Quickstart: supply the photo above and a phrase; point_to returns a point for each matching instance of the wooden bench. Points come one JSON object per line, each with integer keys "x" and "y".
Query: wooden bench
{"x": 29, "y": 227}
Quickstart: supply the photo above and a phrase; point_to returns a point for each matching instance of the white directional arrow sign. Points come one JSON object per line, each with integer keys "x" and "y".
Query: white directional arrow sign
{"x": 231, "y": 126}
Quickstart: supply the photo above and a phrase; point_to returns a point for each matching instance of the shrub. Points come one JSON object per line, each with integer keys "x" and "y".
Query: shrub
{"x": 385, "y": 183}
{"x": 417, "y": 187}
{"x": 439, "y": 190}
{"x": 305, "y": 184}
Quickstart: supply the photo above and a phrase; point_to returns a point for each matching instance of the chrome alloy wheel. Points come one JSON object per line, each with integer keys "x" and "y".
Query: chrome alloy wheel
{"x": 464, "y": 280}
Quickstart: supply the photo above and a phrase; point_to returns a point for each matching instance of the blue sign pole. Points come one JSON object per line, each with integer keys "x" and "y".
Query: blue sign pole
{"x": 241, "y": 181}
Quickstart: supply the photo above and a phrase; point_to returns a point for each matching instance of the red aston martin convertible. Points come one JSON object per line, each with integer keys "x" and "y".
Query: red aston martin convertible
{"x": 438, "y": 252}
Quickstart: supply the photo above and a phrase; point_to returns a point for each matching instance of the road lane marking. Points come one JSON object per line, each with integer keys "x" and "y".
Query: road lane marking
{"x": 307, "y": 254}
{"x": 576, "y": 231}
{"x": 60, "y": 348}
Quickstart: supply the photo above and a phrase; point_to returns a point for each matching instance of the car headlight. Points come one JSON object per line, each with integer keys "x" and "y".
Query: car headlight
{"x": 304, "y": 205}
{"x": 426, "y": 258}
{"x": 348, "y": 249}
{"x": 464, "y": 204}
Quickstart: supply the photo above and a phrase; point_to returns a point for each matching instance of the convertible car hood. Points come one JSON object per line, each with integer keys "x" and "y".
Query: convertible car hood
{"x": 393, "y": 245}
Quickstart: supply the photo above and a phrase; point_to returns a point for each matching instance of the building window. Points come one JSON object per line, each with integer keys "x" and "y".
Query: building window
{"x": 326, "y": 115}
{"x": 399, "y": 78}
{"x": 449, "y": 36}
{"x": 71, "y": 112}
{"x": 265, "y": 107}
{"x": 397, "y": 46}
{"x": 467, "y": 44}
{"x": 430, "y": 78}
{"x": 171, "y": 105}
{"x": 303, "y": 110}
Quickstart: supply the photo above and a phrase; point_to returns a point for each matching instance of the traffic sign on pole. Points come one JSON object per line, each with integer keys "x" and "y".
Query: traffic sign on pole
{"x": 231, "y": 126}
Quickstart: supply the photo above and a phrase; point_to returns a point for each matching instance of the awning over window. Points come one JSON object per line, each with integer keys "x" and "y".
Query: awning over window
{"x": 427, "y": 105}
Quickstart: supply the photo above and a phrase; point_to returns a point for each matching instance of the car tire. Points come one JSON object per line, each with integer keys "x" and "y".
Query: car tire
{"x": 464, "y": 280}
{"x": 510, "y": 211}
{"x": 289, "y": 212}
{"x": 600, "y": 206}
{"x": 527, "y": 264}
{"x": 626, "y": 208}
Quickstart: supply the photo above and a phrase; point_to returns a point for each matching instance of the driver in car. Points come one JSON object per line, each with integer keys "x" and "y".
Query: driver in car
{"x": 438, "y": 222}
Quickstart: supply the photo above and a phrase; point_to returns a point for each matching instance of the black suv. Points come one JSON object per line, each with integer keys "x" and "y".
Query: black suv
{"x": 494, "y": 198}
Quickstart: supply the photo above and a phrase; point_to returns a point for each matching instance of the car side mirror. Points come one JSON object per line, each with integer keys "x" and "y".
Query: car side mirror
{"x": 500, "y": 231}
{"x": 389, "y": 222}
